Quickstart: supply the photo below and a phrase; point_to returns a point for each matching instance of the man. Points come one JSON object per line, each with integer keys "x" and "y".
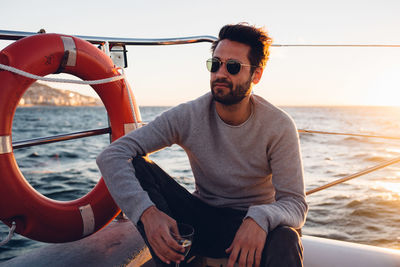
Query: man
{"x": 244, "y": 153}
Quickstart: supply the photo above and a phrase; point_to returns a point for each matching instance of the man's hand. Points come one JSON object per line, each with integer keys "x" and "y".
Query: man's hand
{"x": 158, "y": 227}
{"x": 249, "y": 243}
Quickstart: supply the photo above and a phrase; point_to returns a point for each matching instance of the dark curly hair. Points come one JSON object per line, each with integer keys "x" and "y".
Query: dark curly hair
{"x": 256, "y": 38}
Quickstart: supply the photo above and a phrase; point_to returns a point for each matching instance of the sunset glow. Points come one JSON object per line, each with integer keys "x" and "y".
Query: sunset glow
{"x": 385, "y": 90}
{"x": 392, "y": 187}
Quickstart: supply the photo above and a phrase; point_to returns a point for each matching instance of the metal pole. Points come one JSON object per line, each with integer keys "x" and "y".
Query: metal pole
{"x": 355, "y": 175}
{"x": 58, "y": 138}
{"x": 16, "y": 35}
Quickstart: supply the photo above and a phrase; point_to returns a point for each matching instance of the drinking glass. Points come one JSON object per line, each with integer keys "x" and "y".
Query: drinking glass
{"x": 184, "y": 238}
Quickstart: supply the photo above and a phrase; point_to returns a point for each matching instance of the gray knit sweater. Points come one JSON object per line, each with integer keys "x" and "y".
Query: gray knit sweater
{"x": 255, "y": 166}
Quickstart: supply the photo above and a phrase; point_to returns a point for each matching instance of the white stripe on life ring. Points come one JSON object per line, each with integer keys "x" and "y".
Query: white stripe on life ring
{"x": 87, "y": 219}
{"x": 129, "y": 127}
{"x": 5, "y": 144}
{"x": 69, "y": 45}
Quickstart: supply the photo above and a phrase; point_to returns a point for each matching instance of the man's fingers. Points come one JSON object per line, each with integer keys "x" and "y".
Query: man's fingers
{"x": 158, "y": 250}
{"x": 243, "y": 258}
{"x": 172, "y": 243}
{"x": 165, "y": 247}
{"x": 171, "y": 240}
{"x": 249, "y": 242}
{"x": 174, "y": 229}
{"x": 162, "y": 248}
{"x": 158, "y": 227}
{"x": 234, "y": 255}
{"x": 161, "y": 257}
{"x": 250, "y": 258}
{"x": 257, "y": 258}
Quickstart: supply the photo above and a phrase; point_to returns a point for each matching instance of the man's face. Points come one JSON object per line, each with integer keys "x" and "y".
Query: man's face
{"x": 226, "y": 88}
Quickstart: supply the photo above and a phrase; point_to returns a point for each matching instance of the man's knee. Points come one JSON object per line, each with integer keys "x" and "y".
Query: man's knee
{"x": 283, "y": 248}
{"x": 284, "y": 234}
{"x": 147, "y": 172}
{"x": 284, "y": 240}
{"x": 141, "y": 161}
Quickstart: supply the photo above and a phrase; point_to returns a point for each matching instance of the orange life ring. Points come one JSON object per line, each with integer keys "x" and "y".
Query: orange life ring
{"x": 38, "y": 217}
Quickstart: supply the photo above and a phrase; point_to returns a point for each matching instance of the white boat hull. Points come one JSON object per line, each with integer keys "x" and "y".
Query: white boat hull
{"x": 333, "y": 253}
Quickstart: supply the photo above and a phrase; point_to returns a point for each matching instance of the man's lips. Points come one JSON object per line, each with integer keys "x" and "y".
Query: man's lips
{"x": 221, "y": 85}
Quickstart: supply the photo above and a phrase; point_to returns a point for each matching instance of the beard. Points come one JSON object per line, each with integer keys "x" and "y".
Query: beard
{"x": 235, "y": 95}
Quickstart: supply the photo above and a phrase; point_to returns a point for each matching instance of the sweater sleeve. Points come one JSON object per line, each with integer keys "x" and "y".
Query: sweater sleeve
{"x": 290, "y": 207}
{"x": 115, "y": 162}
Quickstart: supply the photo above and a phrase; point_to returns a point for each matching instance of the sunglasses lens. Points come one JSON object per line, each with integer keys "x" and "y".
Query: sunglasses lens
{"x": 213, "y": 64}
{"x": 233, "y": 67}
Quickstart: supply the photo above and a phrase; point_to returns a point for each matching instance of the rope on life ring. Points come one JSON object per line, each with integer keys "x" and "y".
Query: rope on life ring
{"x": 36, "y": 216}
{"x": 10, "y": 234}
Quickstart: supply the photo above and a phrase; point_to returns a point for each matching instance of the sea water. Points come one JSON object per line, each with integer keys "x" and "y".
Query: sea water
{"x": 364, "y": 210}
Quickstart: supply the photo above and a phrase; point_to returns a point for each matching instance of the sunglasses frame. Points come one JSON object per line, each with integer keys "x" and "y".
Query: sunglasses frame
{"x": 211, "y": 61}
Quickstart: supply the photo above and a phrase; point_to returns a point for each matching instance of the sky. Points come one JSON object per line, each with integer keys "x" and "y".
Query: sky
{"x": 170, "y": 75}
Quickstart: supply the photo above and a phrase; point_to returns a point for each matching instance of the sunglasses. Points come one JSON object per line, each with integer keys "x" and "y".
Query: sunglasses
{"x": 232, "y": 66}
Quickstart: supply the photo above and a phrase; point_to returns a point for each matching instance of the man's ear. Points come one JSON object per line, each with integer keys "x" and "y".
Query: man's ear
{"x": 257, "y": 75}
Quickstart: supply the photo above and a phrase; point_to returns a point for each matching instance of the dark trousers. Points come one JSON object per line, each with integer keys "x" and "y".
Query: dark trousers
{"x": 214, "y": 228}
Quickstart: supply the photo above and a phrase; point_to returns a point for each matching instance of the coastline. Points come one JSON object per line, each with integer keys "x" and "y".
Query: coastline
{"x": 52, "y": 105}
{"x": 39, "y": 94}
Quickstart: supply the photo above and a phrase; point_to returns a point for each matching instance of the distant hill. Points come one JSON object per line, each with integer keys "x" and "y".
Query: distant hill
{"x": 41, "y": 94}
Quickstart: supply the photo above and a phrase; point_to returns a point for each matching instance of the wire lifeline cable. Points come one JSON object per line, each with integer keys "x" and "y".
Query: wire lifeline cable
{"x": 360, "y": 173}
{"x": 355, "y": 175}
{"x": 348, "y": 134}
{"x": 338, "y": 45}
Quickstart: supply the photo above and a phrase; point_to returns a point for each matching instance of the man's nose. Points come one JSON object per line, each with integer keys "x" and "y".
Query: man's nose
{"x": 222, "y": 71}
